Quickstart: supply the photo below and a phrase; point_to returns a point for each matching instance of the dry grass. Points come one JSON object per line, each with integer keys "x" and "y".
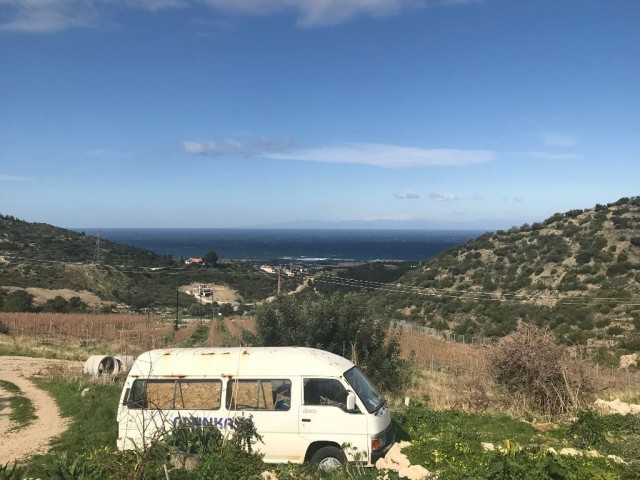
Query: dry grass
{"x": 143, "y": 332}
{"x": 453, "y": 375}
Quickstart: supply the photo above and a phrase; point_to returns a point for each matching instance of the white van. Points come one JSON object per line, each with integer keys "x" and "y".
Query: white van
{"x": 305, "y": 403}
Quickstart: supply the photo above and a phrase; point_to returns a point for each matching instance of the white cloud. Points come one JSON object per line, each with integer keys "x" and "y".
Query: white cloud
{"x": 554, "y": 156}
{"x": 236, "y": 148}
{"x": 387, "y": 156}
{"x": 555, "y": 139}
{"x": 406, "y": 195}
{"x": 46, "y": 16}
{"x": 443, "y": 197}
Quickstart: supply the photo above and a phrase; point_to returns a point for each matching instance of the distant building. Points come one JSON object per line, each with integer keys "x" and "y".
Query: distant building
{"x": 267, "y": 268}
{"x": 189, "y": 261}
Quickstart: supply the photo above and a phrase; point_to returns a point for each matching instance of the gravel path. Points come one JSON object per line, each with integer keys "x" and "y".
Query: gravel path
{"x": 35, "y": 438}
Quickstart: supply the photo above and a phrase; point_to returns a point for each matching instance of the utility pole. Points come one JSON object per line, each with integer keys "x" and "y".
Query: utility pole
{"x": 279, "y": 282}
{"x": 97, "y": 254}
{"x": 175, "y": 327}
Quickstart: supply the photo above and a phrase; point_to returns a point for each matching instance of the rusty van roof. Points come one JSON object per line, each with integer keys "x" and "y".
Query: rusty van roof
{"x": 238, "y": 361}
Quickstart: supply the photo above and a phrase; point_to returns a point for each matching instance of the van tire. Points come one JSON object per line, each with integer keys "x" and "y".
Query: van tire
{"x": 328, "y": 458}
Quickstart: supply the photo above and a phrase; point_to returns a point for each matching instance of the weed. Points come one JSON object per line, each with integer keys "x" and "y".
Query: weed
{"x": 22, "y": 410}
{"x": 11, "y": 472}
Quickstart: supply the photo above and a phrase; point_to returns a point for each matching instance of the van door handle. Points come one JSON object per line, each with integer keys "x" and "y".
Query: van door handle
{"x": 306, "y": 419}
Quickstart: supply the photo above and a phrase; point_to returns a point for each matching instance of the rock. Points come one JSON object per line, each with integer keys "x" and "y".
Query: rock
{"x": 570, "y": 452}
{"x": 552, "y": 451}
{"x": 627, "y": 361}
{"x": 489, "y": 447}
{"x": 592, "y": 454}
{"x": 184, "y": 460}
{"x": 84, "y": 392}
{"x": 616, "y": 459}
{"x": 266, "y": 475}
{"x": 616, "y": 406}
{"x": 395, "y": 459}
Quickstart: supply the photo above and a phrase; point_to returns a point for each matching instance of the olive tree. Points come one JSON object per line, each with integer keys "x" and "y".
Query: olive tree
{"x": 339, "y": 324}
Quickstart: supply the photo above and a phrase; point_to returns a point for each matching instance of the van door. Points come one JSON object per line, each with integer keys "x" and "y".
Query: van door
{"x": 268, "y": 401}
{"x": 323, "y": 416}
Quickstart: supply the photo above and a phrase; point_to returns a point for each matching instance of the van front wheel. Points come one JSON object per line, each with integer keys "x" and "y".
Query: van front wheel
{"x": 329, "y": 458}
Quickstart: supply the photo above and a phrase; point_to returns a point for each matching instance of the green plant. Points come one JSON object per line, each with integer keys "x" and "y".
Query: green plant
{"x": 341, "y": 324}
{"x": 11, "y": 472}
{"x": 67, "y": 467}
{"x": 197, "y": 440}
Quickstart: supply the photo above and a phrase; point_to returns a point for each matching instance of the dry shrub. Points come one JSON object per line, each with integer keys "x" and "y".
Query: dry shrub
{"x": 447, "y": 374}
{"x": 544, "y": 375}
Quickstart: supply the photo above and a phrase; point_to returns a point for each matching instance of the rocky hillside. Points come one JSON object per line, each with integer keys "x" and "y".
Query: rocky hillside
{"x": 577, "y": 272}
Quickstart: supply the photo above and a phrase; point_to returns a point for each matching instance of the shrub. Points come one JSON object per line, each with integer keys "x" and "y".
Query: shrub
{"x": 338, "y": 324}
{"x": 531, "y": 364}
{"x": 4, "y": 329}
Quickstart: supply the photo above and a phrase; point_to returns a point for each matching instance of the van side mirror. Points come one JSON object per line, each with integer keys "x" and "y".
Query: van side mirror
{"x": 351, "y": 402}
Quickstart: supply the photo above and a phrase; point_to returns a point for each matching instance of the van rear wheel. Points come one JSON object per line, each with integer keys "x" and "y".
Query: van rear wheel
{"x": 329, "y": 458}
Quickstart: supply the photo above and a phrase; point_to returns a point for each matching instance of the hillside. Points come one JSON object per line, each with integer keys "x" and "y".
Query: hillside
{"x": 577, "y": 272}
{"x": 38, "y": 255}
{"x": 20, "y": 240}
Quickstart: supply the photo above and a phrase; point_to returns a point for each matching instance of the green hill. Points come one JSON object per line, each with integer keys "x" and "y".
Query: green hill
{"x": 43, "y": 256}
{"x": 577, "y": 272}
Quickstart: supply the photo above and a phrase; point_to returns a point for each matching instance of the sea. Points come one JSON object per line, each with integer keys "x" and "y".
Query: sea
{"x": 290, "y": 244}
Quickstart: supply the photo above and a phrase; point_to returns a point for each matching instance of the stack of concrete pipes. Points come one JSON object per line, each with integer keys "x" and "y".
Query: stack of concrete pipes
{"x": 98, "y": 365}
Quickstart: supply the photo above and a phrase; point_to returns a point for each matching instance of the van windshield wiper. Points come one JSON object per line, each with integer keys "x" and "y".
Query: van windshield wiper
{"x": 382, "y": 403}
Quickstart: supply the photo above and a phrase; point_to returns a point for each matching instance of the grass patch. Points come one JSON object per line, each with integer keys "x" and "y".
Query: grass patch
{"x": 451, "y": 443}
{"x": 199, "y": 337}
{"x": 22, "y": 410}
{"x": 93, "y": 420}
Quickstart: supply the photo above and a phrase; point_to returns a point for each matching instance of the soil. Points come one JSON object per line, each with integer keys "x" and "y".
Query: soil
{"x": 34, "y": 438}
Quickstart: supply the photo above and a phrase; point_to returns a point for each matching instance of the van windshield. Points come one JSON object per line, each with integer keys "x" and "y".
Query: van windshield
{"x": 368, "y": 394}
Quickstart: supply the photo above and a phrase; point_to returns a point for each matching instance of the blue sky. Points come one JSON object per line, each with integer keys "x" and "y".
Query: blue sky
{"x": 240, "y": 113}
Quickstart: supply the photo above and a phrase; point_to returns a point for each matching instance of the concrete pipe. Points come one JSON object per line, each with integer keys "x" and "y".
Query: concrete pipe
{"x": 98, "y": 365}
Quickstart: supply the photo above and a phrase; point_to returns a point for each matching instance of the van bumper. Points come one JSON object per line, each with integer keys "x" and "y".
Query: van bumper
{"x": 388, "y": 438}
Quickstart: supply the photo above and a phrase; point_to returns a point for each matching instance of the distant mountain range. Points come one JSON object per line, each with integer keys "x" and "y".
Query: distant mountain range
{"x": 389, "y": 224}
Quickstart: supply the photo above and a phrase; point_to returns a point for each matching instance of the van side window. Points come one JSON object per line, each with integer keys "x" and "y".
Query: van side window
{"x": 325, "y": 391}
{"x": 176, "y": 394}
{"x": 259, "y": 394}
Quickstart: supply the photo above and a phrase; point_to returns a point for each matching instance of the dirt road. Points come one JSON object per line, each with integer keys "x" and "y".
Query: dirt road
{"x": 34, "y": 438}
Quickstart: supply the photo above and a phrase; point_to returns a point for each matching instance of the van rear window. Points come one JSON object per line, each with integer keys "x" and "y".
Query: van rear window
{"x": 178, "y": 394}
{"x": 259, "y": 394}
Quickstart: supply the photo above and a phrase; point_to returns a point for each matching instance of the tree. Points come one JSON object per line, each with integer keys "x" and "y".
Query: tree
{"x": 339, "y": 324}
{"x": 210, "y": 258}
{"x": 58, "y": 305}
{"x": 18, "y": 301}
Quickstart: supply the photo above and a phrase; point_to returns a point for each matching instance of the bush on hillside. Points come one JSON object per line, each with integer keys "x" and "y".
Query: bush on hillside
{"x": 339, "y": 324}
{"x": 4, "y": 329}
{"x": 531, "y": 364}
